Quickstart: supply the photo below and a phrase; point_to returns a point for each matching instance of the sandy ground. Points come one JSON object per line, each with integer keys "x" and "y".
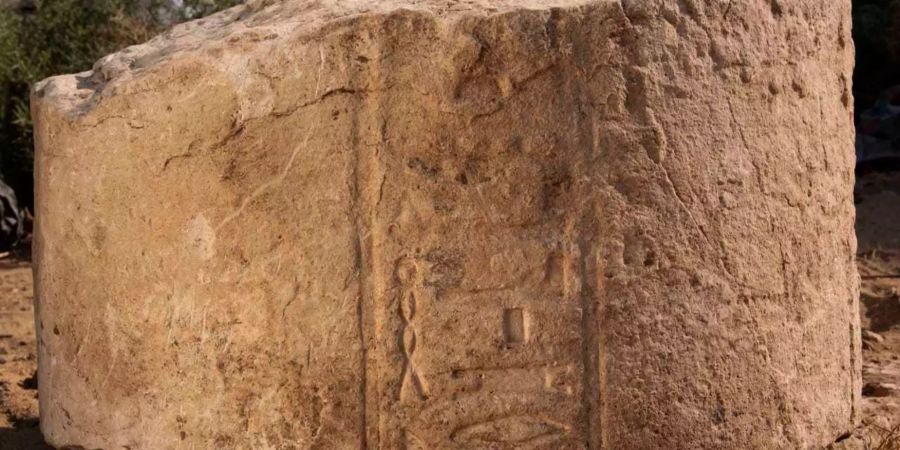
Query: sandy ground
{"x": 878, "y": 229}
{"x": 878, "y": 233}
{"x": 18, "y": 386}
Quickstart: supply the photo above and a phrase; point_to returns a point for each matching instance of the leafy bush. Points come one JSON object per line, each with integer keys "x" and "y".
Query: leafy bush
{"x": 41, "y": 38}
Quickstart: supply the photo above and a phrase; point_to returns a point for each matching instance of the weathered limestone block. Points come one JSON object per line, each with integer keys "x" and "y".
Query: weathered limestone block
{"x": 440, "y": 224}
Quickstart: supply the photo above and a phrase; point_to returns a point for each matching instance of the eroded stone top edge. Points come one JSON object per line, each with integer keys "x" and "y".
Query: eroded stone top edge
{"x": 75, "y": 95}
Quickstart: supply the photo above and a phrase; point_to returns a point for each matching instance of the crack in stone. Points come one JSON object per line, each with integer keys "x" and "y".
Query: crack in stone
{"x": 265, "y": 186}
{"x": 323, "y": 97}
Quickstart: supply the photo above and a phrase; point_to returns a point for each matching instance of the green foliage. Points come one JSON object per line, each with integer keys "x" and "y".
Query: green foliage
{"x": 42, "y": 38}
{"x": 198, "y": 8}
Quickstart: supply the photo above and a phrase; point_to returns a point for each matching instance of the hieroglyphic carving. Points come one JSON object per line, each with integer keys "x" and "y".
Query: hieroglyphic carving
{"x": 413, "y": 442}
{"x": 407, "y": 274}
{"x": 514, "y": 326}
{"x": 528, "y": 378}
{"x": 480, "y": 337}
{"x": 514, "y": 429}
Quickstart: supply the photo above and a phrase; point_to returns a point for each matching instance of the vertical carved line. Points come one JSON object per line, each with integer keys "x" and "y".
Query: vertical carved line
{"x": 584, "y": 233}
{"x": 588, "y": 292}
{"x": 583, "y": 236}
{"x": 361, "y": 209}
{"x": 367, "y": 142}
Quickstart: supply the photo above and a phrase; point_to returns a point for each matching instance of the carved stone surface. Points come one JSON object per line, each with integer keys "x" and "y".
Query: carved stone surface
{"x": 445, "y": 224}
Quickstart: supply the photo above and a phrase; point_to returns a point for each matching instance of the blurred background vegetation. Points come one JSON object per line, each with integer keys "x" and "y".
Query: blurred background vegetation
{"x": 40, "y": 38}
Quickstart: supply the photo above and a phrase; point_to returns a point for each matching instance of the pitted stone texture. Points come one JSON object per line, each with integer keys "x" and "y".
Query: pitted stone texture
{"x": 454, "y": 225}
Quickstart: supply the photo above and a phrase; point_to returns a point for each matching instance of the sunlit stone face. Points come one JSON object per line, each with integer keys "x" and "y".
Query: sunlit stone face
{"x": 453, "y": 225}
